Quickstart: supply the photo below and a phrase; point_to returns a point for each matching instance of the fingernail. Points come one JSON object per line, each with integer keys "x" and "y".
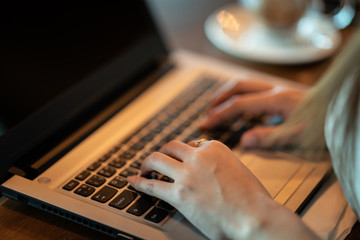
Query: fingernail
{"x": 249, "y": 141}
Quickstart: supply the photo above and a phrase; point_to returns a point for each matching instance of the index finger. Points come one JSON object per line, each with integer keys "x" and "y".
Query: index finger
{"x": 161, "y": 163}
{"x": 253, "y": 104}
{"x": 177, "y": 150}
{"x": 245, "y": 84}
{"x": 156, "y": 188}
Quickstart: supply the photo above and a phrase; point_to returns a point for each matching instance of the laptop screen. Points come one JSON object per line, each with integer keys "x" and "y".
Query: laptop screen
{"x": 60, "y": 58}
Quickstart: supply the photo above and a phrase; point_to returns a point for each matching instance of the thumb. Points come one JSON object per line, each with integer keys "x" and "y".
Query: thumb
{"x": 264, "y": 136}
{"x": 258, "y": 137}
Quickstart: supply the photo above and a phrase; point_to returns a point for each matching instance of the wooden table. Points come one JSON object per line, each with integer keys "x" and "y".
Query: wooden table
{"x": 182, "y": 24}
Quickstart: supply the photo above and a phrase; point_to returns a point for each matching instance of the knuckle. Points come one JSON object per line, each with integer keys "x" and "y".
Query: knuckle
{"x": 186, "y": 173}
{"x": 215, "y": 143}
{"x": 149, "y": 188}
{"x": 172, "y": 142}
{"x": 181, "y": 192}
{"x": 198, "y": 155}
{"x": 184, "y": 186}
{"x": 153, "y": 157}
{"x": 168, "y": 145}
{"x": 137, "y": 183}
{"x": 151, "y": 160}
{"x": 210, "y": 145}
{"x": 144, "y": 186}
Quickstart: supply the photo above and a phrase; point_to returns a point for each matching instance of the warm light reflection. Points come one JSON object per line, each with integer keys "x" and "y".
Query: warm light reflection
{"x": 228, "y": 21}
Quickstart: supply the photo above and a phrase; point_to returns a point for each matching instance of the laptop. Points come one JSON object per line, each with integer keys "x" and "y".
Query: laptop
{"x": 88, "y": 90}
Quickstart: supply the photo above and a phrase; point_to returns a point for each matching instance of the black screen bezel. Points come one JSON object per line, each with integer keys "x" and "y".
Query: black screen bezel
{"x": 116, "y": 77}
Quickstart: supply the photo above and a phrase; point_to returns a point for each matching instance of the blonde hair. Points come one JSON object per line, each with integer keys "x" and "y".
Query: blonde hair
{"x": 311, "y": 113}
{"x": 330, "y": 115}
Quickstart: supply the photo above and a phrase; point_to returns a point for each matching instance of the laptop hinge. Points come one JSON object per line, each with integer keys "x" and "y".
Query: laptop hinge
{"x": 49, "y": 158}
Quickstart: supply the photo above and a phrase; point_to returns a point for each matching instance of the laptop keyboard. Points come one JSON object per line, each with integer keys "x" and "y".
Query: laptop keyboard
{"x": 104, "y": 181}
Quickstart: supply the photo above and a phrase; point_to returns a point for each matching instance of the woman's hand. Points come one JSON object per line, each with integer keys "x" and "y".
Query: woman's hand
{"x": 249, "y": 95}
{"x": 215, "y": 192}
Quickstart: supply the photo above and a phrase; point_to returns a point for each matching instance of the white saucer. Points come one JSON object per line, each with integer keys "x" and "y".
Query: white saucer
{"x": 240, "y": 33}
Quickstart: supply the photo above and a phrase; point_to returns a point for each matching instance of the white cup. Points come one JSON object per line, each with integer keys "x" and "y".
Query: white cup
{"x": 278, "y": 15}
{"x": 283, "y": 15}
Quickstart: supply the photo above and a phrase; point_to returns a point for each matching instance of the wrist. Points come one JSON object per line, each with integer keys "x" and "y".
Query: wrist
{"x": 267, "y": 220}
{"x": 249, "y": 222}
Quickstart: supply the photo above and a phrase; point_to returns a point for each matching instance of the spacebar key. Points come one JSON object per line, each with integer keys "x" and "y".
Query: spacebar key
{"x": 142, "y": 205}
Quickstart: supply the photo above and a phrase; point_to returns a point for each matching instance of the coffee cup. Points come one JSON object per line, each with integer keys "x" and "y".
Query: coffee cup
{"x": 278, "y": 15}
{"x": 283, "y": 15}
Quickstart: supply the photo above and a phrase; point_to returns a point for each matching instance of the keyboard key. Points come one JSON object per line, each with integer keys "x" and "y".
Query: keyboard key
{"x": 94, "y": 166}
{"x": 151, "y": 121}
{"x": 177, "y": 131}
{"x": 161, "y": 116}
{"x": 129, "y": 172}
{"x": 71, "y": 185}
{"x": 152, "y": 175}
{"x": 84, "y": 190}
{"x": 155, "y": 148}
{"x": 196, "y": 134}
{"x": 166, "y": 122}
{"x": 194, "y": 116}
{"x": 81, "y": 176}
{"x": 158, "y": 129}
{"x": 145, "y": 155}
{"x": 96, "y": 180}
{"x": 181, "y": 105}
{"x": 171, "y": 108}
{"x": 114, "y": 150}
{"x": 104, "y": 194}
{"x": 126, "y": 140}
{"x": 143, "y": 204}
{"x": 156, "y": 215}
{"x": 147, "y": 138}
{"x": 187, "y": 139}
{"x": 118, "y": 182}
{"x": 118, "y": 163}
{"x": 133, "y": 189}
{"x": 127, "y": 155}
{"x": 168, "y": 138}
{"x": 164, "y": 205}
{"x": 172, "y": 114}
{"x": 105, "y": 157}
{"x": 184, "y": 125}
{"x": 138, "y": 146}
{"x": 123, "y": 200}
{"x": 136, "y": 164}
{"x": 107, "y": 171}
{"x": 167, "y": 179}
